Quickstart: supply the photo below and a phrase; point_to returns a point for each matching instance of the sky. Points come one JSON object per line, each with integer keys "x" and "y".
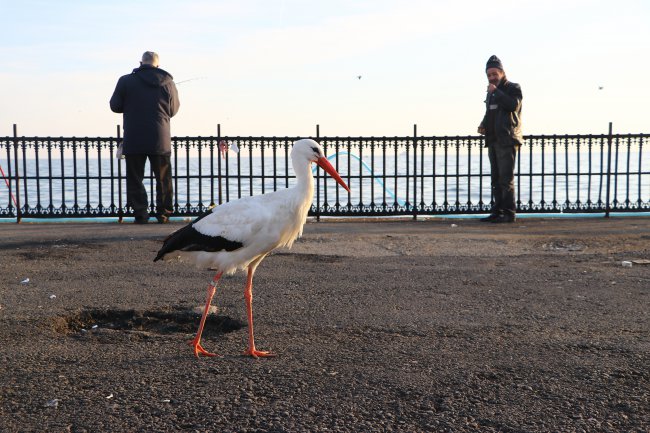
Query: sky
{"x": 281, "y": 67}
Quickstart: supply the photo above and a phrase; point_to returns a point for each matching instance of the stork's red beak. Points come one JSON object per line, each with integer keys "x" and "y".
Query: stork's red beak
{"x": 325, "y": 165}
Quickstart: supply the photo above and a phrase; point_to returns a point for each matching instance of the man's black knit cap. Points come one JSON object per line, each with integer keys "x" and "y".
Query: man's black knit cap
{"x": 493, "y": 62}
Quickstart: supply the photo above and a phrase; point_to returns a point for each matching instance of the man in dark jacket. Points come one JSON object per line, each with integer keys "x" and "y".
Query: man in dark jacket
{"x": 148, "y": 99}
{"x": 501, "y": 126}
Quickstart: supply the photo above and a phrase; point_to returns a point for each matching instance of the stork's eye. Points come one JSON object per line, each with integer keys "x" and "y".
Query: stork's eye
{"x": 315, "y": 149}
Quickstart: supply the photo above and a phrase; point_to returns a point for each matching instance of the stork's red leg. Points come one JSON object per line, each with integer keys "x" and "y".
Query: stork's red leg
{"x": 196, "y": 343}
{"x": 248, "y": 294}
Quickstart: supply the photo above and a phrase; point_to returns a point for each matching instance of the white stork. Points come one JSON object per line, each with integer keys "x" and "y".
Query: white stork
{"x": 240, "y": 233}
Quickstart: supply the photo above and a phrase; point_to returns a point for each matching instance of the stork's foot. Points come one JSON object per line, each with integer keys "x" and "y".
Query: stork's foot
{"x": 199, "y": 350}
{"x": 258, "y": 353}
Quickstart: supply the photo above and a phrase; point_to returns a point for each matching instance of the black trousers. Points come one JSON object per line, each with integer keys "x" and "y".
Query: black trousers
{"x": 502, "y": 170}
{"x": 136, "y": 194}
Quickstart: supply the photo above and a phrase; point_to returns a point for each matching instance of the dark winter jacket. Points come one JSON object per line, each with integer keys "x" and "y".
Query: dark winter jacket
{"x": 148, "y": 98}
{"x": 507, "y": 116}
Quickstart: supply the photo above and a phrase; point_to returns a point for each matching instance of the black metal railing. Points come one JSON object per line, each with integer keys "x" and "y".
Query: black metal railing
{"x": 75, "y": 177}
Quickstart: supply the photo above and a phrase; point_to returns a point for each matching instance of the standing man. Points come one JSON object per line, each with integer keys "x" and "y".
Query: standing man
{"x": 502, "y": 129}
{"x": 148, "y": 99}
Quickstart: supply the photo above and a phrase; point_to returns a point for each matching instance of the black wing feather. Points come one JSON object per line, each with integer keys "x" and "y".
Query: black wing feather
{"x": 188, "y": 239}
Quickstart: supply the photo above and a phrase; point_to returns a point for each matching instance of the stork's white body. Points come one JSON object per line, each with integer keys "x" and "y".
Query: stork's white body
{"x": 261, "y": 223}
{"x": 239, "y": 234}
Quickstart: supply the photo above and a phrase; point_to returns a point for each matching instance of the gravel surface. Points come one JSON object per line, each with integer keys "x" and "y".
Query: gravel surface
{"x": 404, "y": 326}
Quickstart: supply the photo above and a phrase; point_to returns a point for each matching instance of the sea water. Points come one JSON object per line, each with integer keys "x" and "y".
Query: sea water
{"x": 455, "y": 178}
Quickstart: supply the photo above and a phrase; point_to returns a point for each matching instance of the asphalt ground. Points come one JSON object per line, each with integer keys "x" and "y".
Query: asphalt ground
{"x": 409, "y": 326}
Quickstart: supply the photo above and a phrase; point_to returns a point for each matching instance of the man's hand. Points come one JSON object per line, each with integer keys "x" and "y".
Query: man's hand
{"x": 481, "y": 130}
{"x": 491, "y": 88}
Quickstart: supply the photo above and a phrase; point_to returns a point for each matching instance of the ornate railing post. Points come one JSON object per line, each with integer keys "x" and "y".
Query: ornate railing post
{"x": 609, "y": 169}
{"x": 120, "y": 209}
{"x": 17, "y": 175}
{"x": 219, "y": 161}
{"x": 415, "y": 172}
{"x": 318, "y": 180}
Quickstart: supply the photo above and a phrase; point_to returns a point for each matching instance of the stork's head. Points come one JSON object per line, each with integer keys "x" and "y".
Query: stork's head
{"x": 309, "y": 151}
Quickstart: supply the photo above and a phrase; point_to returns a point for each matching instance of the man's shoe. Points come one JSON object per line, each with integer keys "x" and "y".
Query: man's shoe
{"x": 505, "y": 218}
{"x": 490, "y": 218}
{"x": 162, "y": 219}
{"x": 141, "y": 220}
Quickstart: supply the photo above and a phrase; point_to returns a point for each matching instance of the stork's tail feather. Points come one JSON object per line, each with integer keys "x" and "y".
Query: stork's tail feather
{"x": 171, "y": 242}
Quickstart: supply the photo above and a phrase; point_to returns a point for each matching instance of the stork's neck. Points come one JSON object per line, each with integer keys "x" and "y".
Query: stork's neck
{"x": 304, "y": 181}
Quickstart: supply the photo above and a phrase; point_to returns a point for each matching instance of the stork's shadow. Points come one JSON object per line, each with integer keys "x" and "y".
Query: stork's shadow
{"x": 169, "y": 320}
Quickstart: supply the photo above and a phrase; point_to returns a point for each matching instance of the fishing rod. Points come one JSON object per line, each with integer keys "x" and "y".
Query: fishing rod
{"x": 190, "y": 79}
{"x": 9, "y": 187}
